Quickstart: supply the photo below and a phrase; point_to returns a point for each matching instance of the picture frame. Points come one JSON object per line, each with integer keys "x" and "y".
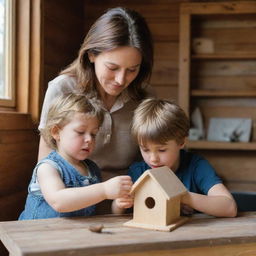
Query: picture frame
{"x": 229, "y": 129}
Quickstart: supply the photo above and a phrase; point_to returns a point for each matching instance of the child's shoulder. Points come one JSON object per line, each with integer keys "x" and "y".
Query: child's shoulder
{"x": 139, "y": 166}
{"x": 194, "y": 163}
{"x": 190, "y": 157}
{"x": 137, "y": 169}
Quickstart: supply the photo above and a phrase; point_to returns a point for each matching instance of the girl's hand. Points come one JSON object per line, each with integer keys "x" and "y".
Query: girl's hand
{"x": 117, "y": 187}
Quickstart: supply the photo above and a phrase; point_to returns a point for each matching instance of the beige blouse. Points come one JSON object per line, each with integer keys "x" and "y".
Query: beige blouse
{"x": 115, "y": 148}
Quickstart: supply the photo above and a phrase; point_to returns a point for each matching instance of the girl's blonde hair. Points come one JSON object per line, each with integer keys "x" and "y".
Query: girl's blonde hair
{"x": 63, "y": 109}
{"x": 159, "y": 121}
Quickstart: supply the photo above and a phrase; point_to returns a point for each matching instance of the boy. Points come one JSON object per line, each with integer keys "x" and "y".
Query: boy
{"x": 160, "y": 128}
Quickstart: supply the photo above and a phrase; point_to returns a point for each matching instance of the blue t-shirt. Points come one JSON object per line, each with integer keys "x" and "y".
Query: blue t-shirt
{"x": 36, "y": 206}
{"x": 194, "y": 171}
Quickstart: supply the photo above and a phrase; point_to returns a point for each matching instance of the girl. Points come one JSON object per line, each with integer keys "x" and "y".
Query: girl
{"x": 66, "y": 183}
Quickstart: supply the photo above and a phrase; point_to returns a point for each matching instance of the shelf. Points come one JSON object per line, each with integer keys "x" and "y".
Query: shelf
{"x": 223, "y": 93}
{"x": 224, "y": 56}
{"x": 217, "y": 75}
{"x": 216, "y": 145}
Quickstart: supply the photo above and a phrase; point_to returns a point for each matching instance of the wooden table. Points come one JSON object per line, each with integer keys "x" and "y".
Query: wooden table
{"x": 201, "y": 235}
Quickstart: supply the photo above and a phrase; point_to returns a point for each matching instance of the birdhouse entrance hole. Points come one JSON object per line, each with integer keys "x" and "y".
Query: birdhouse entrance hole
{"x": 150, "y": 202}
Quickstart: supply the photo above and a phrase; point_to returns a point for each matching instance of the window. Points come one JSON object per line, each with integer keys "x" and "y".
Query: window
{"x": 7, "y": 28}
{"x": 22, "y": 28}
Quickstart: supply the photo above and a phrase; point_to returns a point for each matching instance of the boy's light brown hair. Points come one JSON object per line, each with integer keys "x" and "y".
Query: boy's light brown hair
{"x": 159, "y": 121}
{"x": 63, "y": 109}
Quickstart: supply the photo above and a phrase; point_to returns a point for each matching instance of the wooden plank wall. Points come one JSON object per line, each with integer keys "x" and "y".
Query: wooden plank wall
{"x": 63, "y": 34}
{"x": 18, "y": 155}
{"x": 18, "y": 147}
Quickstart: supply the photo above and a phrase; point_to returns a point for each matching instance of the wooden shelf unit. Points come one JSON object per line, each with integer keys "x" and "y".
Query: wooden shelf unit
{"x": 219, "y": 56}
{"x": 223, "y": 93}
{"x": 222, "y": 81}
{"x": 228, "y": 74}
{"x": 217, "y": 145}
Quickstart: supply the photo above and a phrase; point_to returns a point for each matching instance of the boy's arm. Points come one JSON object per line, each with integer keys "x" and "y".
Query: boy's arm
{"x": 218, "y": 202}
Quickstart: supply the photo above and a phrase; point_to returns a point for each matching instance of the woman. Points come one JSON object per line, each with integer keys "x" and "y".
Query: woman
{"x": 113, "y": 65}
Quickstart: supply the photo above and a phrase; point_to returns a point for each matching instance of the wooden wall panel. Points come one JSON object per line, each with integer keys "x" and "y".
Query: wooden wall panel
{"x": 236, "y": 177}
{"x": 223, "y": 31}
{"x": 63, "y": 35}
{"x": 18, "y": 147}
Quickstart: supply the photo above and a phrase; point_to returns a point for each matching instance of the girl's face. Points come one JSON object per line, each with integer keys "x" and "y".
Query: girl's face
{"x": 116, "y": 69}
{"x": 76, "y": 140}
{"x": 158, "y": 155}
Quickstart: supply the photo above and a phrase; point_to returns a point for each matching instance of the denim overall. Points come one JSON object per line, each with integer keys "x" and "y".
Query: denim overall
{"x": 37, "y": 208}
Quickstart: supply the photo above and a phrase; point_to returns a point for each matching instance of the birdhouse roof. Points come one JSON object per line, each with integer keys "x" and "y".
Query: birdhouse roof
{"x": 166, "y": 179}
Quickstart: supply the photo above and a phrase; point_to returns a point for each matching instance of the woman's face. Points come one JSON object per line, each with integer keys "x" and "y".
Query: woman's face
{"x": 116, "y": 69}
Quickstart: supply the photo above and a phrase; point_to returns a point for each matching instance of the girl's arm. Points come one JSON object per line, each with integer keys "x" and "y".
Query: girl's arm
{"x": 64, "y": 199}
{"x": 218, "y": 202}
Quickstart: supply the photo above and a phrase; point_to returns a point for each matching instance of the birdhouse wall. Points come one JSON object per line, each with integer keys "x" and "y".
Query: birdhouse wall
{"x": 173, "y": 210}
{"x": 150, "y": 204}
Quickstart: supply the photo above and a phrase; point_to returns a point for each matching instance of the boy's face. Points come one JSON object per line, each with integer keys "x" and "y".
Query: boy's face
{"x": 158, "y": 155}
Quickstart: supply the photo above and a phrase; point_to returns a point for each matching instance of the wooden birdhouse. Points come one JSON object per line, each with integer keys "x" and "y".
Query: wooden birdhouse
{"x": 157, "y": 194}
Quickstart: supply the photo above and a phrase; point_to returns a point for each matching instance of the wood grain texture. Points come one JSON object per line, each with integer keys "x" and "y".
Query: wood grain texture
{"x": 18, "y": 146}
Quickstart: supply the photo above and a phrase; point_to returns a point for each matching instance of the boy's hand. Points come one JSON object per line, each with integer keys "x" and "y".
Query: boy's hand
{"x": 117, "y": 187}
{"x": 124, "y": 202}
{"x": 186, "y": 210}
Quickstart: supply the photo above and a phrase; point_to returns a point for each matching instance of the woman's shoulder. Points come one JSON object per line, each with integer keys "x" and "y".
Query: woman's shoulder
{"x": 62, "y": 82}
{"x": 150, "y": 91}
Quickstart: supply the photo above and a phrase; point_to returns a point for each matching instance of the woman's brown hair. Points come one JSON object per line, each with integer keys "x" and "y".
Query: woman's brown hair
{"x": 115, "y": 28}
